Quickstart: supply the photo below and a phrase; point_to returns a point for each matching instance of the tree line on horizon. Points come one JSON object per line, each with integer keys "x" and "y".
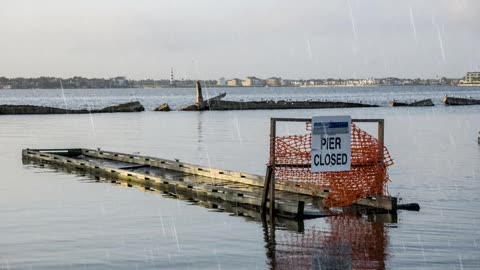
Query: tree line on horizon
{"x": 78, "y": 82}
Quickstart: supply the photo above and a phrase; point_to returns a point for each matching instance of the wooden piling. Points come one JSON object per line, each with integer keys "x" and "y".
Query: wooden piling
{"x": 273, "y": 135}
{"x": 266, "y": 187}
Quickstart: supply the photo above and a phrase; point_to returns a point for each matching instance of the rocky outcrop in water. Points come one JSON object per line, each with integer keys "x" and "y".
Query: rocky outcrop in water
{"x": 163, "y": 108}
{"x": 32, "y": 109}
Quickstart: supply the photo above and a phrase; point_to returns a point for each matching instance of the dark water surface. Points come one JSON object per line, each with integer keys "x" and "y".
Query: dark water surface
{"x": 55, "y": 220}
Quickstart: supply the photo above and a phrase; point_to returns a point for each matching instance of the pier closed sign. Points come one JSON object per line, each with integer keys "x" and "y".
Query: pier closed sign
{"x": 331, "y": 143}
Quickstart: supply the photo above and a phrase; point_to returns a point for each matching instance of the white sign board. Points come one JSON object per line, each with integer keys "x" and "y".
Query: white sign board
{"x": 331, "y": 143}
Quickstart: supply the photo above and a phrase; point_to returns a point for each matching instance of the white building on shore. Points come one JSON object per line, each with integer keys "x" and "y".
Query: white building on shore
{"x": 472, "y": 78}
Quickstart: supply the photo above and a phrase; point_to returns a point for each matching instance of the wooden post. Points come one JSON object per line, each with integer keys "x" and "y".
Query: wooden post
{"x": 273, "y": 134}
{"x": 381, "y": 136}
{"x": 269, "y": 184}
{"x": 272, "y": 195}
{"x": 300, "y": 209}
{"x": 199, "y": 93}
{"x": 381, "y": 144}
{"x": 200, "y": 103}
{"x": 266, "y": 186}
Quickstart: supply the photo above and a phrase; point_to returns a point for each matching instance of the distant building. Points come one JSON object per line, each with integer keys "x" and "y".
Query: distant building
{"x": 234, "y": 82}
{"x": 253, "y": 81}
{"x": 371, "y": 81}
{"x": 284, "y": 82}
{"x": 273, "y": 82}
{"x": 297, "y": 83}
{"x": 120, "y": 82}
{"x": 391, "y": 81}
{"x": 314, "y": 82}
{"x": 472, "y": 78}
{"x": 222, "y": 82}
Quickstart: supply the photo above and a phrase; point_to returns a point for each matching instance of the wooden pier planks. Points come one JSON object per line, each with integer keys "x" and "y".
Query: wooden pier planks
{"x": 211, "y": 175}
{"x": 241, "y": 197}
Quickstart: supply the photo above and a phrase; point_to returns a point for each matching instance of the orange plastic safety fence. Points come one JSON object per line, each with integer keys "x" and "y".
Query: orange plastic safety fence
{"x": 349, "y": 243}
{"x": 368, "y": 175}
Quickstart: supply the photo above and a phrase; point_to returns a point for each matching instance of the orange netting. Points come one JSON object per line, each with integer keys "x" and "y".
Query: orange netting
{"x": 368, "y": 175}
{"x": 349, "y": 243}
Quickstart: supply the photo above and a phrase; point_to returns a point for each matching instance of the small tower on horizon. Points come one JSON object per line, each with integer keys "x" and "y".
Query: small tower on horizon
{"x": 172, "y": 82}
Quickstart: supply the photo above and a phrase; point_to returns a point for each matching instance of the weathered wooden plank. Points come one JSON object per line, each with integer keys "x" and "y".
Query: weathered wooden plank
{"x": 245, "y": 178}
{"x": 382, "y": 202}
{"x": 233, "y": 196}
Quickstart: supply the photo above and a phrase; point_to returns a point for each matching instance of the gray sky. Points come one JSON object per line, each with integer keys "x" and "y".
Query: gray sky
{"x": 207, "y": 39}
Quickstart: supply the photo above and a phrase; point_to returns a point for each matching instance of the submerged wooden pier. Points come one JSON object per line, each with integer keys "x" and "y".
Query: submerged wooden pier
{"x": 457, "y": 101}
{"x": 421, "y": 103}
{"x": 218, "y": 104}
{"x": 205, "y": 183}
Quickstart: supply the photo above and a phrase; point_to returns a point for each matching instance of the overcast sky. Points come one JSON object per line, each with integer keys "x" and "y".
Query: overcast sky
{"x": 207, "y": 39}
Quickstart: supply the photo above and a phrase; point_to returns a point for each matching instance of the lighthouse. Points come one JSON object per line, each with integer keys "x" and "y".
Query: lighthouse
{"x": 172, "y": 82}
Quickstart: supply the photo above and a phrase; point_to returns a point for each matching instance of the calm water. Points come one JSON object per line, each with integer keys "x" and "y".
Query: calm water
{"x": 178, "y": 98}
{"x": 54, "y": 220}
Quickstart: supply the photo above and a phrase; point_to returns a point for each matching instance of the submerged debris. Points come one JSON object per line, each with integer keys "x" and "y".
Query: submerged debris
{"x": 200, "y": 104}
{"x": 460, "y": 101}
{"x": 275, "y": 105}
{"x": 421, "y": 103}
{"x": 217, "y": 104}
{"x": 163, "y": 108}
{"x": 32, "y": 109}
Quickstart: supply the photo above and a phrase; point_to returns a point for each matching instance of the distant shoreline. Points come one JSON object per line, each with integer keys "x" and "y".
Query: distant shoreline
{"x": 251, "y": 87}
{"x": 469, "y": 85}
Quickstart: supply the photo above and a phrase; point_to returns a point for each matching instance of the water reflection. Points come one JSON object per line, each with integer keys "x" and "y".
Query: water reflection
{"x": 345, "y": 241}
{"x": 200, "y": 134}
{"x": 337, "y": 242}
